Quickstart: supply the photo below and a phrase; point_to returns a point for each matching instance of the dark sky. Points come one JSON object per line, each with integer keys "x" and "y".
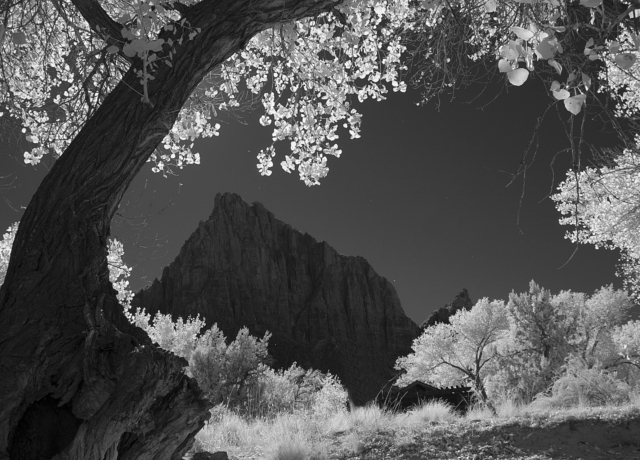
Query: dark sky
{"x": 420, "y": 196}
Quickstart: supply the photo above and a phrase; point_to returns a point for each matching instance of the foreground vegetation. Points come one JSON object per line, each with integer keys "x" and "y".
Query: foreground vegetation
{"x": 535, "y": 431}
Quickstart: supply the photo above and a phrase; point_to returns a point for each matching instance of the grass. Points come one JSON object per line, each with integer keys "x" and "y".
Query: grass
{"x": 343, "y": 434}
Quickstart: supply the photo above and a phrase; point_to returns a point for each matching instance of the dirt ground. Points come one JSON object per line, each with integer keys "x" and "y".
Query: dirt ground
{"x": 568, "y": 439}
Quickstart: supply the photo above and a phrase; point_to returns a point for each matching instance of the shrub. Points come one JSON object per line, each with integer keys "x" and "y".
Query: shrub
{"x": 331, "y": 398}
{"x": 179, "y": 337}
{"x": 431, "y": 411}
{"x": 277, "y": 392}
{"x": 227, "y": 372}
{"x": 480, "y": 412}
{"x": 290, "y": 450}
{"x": 507, "y": 408}
{"x": 591, "y": 387}
{"x": 284, "y": 391}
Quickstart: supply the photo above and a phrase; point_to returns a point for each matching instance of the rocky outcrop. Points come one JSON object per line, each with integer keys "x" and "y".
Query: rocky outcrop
{"x": 244, "y": 267}
{"x": 442, "y": 315}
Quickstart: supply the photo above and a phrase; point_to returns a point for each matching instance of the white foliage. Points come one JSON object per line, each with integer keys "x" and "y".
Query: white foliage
{"x": 5, "y": 250}
{"x": 448, "y": 354}
{"x": 601, "y": 205}
{"x": 622, "y": 72}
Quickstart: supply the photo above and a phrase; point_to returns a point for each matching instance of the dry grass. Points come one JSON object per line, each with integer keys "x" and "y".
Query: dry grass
{"x": 346, "y": 435}
{"x": 430, "y": 412}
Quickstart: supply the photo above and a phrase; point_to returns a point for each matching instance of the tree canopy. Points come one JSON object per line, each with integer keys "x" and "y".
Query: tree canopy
{"x": 524, "y": 348}
{"x": 59, "y": 63}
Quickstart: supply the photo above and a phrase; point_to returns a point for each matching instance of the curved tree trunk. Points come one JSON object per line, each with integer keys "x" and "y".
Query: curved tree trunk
{"x": 77, "y": 381}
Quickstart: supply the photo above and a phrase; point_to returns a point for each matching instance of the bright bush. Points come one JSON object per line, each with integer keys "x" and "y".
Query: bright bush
{"x": 332, "y": 397}
{"x": 284, "y": 390}
{"x": 227, "y": 372}
{"x": 590, "y": 387}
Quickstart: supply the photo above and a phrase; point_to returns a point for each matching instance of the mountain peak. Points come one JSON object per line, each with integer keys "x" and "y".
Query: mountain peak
{"x": 244, "y": 267}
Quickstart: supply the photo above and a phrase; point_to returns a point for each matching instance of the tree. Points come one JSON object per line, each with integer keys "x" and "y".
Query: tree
{"x": 541, "y": 333}
{"x": 627, "y": 340}
{"x": 65, "y": 337}
{"x": 449, "y": 354}
{"x": 105, "y": 86}
{"x": 601, "y": 202}
{"x": 594, "y": 317}
{"x": 548, "y": 331}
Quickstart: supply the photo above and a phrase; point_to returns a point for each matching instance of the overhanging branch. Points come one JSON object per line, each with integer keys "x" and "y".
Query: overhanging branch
{"x": 101, "y": 23}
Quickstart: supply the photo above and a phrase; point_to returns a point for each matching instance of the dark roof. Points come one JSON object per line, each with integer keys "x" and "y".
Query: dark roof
{"x": 425, "y": 387}
{"x": 418, "y": 383}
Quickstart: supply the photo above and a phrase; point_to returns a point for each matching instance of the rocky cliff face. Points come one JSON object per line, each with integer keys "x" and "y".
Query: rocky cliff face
{"x": 244, "y": 267}
{"x": 443, "y": 314}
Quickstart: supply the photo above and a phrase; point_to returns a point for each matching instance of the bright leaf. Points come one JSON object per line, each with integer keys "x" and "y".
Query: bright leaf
{"x": 524, "y": 34}
{"x": 129, "y": 50}
{"x": 546, "y": 49}
{"x": 508, "y": 52}
{"x": 590, "y": 3}
{"x": 586, "y": 80}
{"x": 561, "y": 94}
{"x": 490, "y": 6}
{"x": 626, "y": 60}
{"x": 139, "y": 45}
{"x": 504, "y": 66}
{"x": 155, "y": 45}
{"x": 614, "y": 48}
{"x": 574, "y": 104}
{"x": 113, "y": 49}
{"x": 556, "y": 65}
{"x": 518, "y": 77}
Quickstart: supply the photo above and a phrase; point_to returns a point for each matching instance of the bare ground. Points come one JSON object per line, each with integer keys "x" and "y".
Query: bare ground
{"x": 603, "y": 437}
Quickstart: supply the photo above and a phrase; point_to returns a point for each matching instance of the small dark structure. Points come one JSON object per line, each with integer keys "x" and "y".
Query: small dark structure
{"x": 419, "y": 392}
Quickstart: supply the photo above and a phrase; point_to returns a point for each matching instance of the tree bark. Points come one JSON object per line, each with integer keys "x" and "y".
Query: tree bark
{"x": 77, "y": 381}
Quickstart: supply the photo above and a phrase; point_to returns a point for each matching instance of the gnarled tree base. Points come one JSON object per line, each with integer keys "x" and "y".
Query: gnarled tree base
{"x": 114, "y": 395}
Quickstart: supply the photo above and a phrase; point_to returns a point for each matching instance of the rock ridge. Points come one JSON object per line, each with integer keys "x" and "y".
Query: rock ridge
{"x": 442, "y": 315}
{"x": 244, "y": 267}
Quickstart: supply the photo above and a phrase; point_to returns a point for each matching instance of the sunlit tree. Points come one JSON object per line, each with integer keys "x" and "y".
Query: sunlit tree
{"x": 458, "y": 352}
{"x": 626, "y": 338}
{"x": 547, "y": 331}
{"x": 594, "y": 318}
{"x": 602, "y": 203}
